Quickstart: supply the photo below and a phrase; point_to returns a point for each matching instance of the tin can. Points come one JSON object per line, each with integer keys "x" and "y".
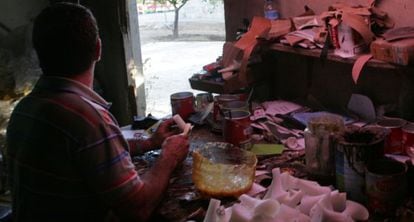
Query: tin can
{"x": 408, "y": 139}
{"x": 235, "y": 105}
{"x": 182, "y": 103}
{"x": 219, "y": 101}
{"x": 355, "y": 149}
{"x": 386, "y": 186}
{"x": 242, "y": 96}
{"x": 202, "y": 100}
{"x": 237, "y": 129}
{"x": 393, "y": 142}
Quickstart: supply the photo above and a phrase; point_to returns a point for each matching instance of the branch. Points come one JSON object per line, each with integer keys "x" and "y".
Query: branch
{"x": 3, "y": 26}
{"x": 184, "y": 2}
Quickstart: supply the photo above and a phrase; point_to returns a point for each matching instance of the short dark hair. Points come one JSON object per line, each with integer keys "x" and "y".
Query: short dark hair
{"x": 65, "y": 37}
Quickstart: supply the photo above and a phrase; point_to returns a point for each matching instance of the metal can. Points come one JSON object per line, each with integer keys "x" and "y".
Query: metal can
{"x": 386, "y": 186}
{"x": 202, "y": 100}
{"x": 393, "y": 142}
{"x": 408, "y": 139}
{"x": 182, "y": 103}
{"x": 235, "y": 105}
{"x": 237, "y": 128}
{"x": 219, "y": 101}
{"x": 354, "y": 150}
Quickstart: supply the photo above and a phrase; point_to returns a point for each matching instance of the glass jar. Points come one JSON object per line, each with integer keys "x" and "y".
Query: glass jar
{"x": 320, "y": 146}
{"x": 221, "y": 169}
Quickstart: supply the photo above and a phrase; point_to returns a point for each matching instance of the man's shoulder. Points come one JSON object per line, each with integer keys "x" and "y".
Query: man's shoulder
{"x": 59, "y": 107}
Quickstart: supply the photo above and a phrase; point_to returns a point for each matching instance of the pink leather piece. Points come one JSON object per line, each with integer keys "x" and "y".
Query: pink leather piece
{"x": 359, "y": 65}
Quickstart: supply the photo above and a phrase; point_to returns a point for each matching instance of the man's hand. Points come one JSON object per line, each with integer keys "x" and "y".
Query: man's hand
{"x": 163, "y": 131}
{"x": 175, "y": 148}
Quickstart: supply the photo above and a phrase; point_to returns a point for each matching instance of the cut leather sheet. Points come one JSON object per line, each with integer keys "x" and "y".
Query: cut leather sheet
{"x": 226, "y": 75}
{"x": 278, "y": 28}
{"x": 359, "y": 65}
{"x": 306, "y": 22}
{"x": 258, "y": 27}
{"x": 243, "y": 68}
{"x": 231, "y": 53}
{"x": 359, "y": 24}
{"x": 245, "y": 46}
{"x": 293, "y": 39}
{"x": 399, "y": 33}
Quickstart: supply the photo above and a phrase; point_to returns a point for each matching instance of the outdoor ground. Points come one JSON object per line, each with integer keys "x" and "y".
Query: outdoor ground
{"x": 169, "y": 63}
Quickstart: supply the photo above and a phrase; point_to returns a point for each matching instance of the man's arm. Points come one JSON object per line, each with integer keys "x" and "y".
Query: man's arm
{"x": 108, "y": 171}
{"x": 142, "y": 203}
{"x": 141, "y": 146}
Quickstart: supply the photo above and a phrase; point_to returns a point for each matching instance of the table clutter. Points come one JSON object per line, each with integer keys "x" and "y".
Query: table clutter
{"x": 344, "y": 32}
{"x": 315, "y": 165}
{"x": 282, "y": 161}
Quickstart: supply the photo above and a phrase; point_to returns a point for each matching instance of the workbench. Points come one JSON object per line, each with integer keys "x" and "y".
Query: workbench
{"x": 183, "y": 202}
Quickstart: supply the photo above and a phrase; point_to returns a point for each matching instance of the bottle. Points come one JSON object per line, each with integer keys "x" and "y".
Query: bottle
{"x": 270, "y": 10}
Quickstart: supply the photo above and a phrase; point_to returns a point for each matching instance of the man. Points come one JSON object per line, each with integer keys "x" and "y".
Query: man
{"x": 67, "y": 157}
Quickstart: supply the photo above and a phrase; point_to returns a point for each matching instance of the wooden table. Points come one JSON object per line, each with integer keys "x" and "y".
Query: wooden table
{"x": 183, "y": 202}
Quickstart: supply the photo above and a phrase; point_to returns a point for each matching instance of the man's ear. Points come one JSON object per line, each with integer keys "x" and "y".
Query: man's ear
{"x": 98, "y": 50}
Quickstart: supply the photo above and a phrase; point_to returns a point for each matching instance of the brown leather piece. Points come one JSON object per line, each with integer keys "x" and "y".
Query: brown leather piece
{"x": 246, "y": 44}
{"x": 359, "y": 24}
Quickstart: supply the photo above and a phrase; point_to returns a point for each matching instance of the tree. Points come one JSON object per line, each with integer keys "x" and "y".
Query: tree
{"x": 177, "y": 4}
{"x": 214, "y": 2}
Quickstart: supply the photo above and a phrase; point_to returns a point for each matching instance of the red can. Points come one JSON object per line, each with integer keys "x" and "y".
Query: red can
{"x": 393, "y": 142}
{"x": 408, "y": 139}
{"x": 182, "y": 103}
{"x": 237, "y": 129}
{"x": 386, "y": 186}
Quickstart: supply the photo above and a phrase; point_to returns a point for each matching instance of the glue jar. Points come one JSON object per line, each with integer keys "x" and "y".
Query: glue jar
{"x": 320, "y": 146}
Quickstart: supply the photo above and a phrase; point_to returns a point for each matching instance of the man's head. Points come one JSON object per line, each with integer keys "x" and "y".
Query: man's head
{"x": 66, "y": 39}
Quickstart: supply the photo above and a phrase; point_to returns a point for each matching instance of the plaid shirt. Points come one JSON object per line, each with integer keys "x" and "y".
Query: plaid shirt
{"x": 68, "y": 160}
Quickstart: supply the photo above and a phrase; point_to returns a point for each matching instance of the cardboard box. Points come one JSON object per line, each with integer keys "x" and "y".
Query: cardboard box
{"x": 399, "y": 52}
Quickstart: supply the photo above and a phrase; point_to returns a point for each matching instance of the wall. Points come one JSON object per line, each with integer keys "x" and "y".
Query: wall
{"x": 18, "y": 61}
{"x": 15, "y": 13}
{"x": 399, "y": 10}
{"x": 329, "y": 85}
{"x": 235, "y": 10}
{"x": 133, "y": 61}
{"x": 111, "y": 71}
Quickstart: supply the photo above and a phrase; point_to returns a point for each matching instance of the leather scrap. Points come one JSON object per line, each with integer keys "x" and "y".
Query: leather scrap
{"x": 399, "y": 33}
{"x": 230, "y": 53}
{"x": 359, "y": 65}
{"x": 359, "y": 24}
{"x": 260, "y": 26}
{"x": 279, "y": 28}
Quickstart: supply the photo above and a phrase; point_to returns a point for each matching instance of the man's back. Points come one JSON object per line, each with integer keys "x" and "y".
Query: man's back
{"x": 59, "y": 143}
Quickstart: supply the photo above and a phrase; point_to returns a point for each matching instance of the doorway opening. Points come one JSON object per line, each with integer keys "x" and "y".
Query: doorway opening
{"x": 169, "y": 62}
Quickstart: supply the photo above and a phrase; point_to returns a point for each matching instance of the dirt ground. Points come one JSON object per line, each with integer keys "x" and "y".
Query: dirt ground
{"x": 169, "y": 63}
{"x": 189, "y": 31}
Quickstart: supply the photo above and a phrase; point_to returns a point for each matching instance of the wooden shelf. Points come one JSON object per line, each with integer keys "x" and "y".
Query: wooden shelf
{"x": 332, "y": 57}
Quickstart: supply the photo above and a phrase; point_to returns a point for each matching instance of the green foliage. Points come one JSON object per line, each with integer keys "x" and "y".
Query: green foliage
{"x": 214, "y": 2}
{"x": 175, "y": 3}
